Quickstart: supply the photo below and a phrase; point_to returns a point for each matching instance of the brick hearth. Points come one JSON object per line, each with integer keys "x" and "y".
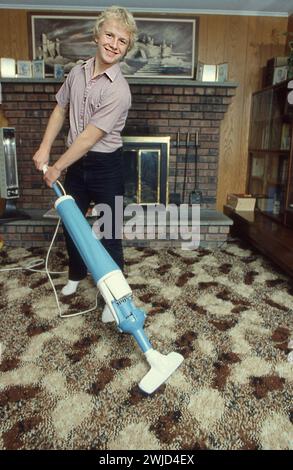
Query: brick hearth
{"x": 39, "y": 230}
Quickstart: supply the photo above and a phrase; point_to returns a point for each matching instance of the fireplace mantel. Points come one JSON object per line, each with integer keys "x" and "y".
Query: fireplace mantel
{"x": 135, "y": 81}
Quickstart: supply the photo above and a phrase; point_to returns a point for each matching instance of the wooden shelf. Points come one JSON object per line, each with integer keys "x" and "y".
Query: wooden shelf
{"x": 281, "y": 151}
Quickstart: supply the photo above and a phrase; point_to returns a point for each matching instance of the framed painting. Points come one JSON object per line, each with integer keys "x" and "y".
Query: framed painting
{"x": 165, "y": 47}
{"x": 62, "y": 40}
{"x": 24, "y": 68}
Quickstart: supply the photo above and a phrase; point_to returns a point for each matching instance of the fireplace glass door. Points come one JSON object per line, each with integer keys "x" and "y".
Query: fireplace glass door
{"x": 146, "y": 169}
{"x": 149, "y": 176}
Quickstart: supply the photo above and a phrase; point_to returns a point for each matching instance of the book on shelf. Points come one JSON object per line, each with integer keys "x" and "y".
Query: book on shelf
{"x": 283, "y": 171}
{"x": 265, "y": 138}
{"x": 258, "y": 166}
{"x": 275, "y": 133}
{"x": 285, "y": 136}
{"x": 273, "y": 165}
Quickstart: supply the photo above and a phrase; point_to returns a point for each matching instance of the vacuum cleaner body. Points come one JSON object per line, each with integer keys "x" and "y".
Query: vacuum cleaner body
{"x": 115, "y": 290}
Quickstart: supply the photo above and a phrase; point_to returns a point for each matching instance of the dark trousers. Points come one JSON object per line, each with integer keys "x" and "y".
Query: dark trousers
{"x": 96, "y": 177}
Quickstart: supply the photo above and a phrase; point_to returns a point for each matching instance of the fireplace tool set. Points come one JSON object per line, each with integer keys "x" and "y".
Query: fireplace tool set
{"x": 195, "y": 196}
{"x": 115, "y": 290}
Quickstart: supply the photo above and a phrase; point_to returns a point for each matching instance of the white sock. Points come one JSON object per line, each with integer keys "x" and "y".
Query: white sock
{"x": 70, "y": 287}
{"x": 107, "y": 316}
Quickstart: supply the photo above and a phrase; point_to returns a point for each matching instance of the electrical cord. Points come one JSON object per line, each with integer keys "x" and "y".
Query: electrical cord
{"x": 62, "y": 315}
{"x": 32, "y": 267}
{"x": 61, "y": 187}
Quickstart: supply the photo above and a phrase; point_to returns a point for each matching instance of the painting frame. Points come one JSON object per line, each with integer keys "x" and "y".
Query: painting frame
{"x": 222, "y": 72}
{"x": 170, "y": 47}
{"x": 38, "y": 68}
{"x": 24, "y": 68}
{"x": 53, "y": 25}
{"x": 166, "y": 45}
{"x": 58, "y": 72}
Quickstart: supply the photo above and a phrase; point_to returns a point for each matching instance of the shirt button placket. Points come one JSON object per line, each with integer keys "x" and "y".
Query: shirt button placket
{"x": 82, "y": 112}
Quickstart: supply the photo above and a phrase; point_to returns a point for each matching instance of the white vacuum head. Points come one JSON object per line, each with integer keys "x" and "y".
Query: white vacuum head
{"x": 161, "y": 368}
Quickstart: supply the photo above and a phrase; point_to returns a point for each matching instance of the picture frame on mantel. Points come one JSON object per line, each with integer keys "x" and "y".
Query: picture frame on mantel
{"x": 24, "y": 69}
{"x": 166, "y": 47}
{"x": 38, "y": 68}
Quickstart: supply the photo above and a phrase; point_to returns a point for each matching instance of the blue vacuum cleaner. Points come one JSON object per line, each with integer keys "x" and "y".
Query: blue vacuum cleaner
{"x": 115, "y": 290}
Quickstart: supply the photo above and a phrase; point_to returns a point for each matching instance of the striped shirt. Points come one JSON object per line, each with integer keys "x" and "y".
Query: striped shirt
{"x": 103, "y": 101}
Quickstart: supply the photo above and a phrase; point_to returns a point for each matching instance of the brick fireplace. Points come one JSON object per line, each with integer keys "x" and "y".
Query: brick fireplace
{"x": 157, "y": 110}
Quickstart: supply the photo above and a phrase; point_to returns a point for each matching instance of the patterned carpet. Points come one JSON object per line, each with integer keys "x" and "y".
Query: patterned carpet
{"x": 72, "y": 383}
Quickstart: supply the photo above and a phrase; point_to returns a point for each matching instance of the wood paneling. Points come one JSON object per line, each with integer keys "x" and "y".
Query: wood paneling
{"x": 290, "y": 33}
{"x": 245, "y": 42}
{"x": 14, "y": 36}
{"x": 231, "y": 173}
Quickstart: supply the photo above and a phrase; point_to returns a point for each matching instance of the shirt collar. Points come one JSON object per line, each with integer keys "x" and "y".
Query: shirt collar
{"x": 111, "y": 72}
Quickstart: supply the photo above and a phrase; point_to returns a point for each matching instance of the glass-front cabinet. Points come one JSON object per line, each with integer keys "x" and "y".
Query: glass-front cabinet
{"x": 270, "y": 172}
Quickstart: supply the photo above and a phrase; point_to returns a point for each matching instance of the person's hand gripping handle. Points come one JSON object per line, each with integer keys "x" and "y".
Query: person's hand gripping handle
{"x": 53, "y": 185}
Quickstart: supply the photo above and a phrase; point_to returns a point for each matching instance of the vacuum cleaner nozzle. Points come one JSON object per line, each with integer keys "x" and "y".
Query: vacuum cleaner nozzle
{"x": 161, "y": 368}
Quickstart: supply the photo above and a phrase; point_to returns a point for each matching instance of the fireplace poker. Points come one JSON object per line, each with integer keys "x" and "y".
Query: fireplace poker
{"x": 176, "y": 196}
{"x": 195, "y": 195}
{"x": 185, "y": 165}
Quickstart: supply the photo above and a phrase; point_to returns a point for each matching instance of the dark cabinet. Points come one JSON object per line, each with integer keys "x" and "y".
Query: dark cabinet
{"x": 270, "y": 178}
{"x": 270, "y": 172}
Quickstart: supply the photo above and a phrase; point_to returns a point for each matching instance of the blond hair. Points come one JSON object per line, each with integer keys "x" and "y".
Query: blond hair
{"x": 123, "y": 16}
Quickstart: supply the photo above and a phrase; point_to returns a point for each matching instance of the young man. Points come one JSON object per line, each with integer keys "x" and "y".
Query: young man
{"x": 99, "y": 98}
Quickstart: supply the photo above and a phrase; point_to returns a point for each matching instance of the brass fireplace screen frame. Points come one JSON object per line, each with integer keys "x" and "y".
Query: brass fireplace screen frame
{"x": 146, "y": 190}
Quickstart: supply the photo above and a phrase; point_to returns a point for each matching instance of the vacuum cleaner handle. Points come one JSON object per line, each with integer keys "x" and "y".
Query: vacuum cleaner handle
{"x": 55, "y": 185}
